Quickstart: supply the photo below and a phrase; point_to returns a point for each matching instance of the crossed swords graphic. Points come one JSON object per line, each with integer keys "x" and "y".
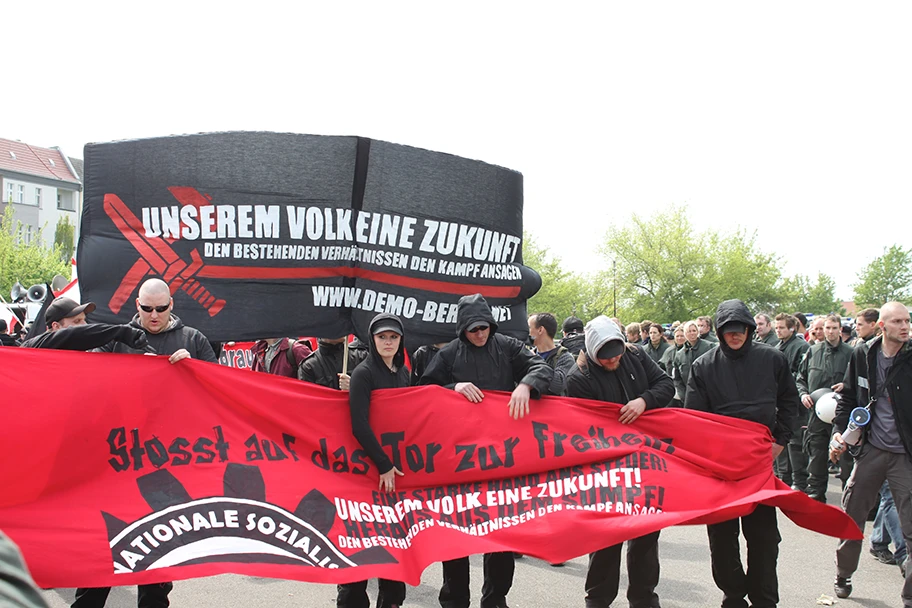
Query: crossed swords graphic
{"x": 158, "y": 258}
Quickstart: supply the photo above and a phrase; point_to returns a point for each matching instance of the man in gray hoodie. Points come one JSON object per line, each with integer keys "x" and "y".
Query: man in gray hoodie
{"x": 621, "y": 373}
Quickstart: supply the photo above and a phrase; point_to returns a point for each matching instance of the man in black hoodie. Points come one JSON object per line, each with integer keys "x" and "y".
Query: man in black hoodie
{"x": 324, "y": 365}
{"x": 5, "y": 338}
{"x": 622, "y": 374}
{"x": 745, "y": 379}
{"x": 481, "y": 359}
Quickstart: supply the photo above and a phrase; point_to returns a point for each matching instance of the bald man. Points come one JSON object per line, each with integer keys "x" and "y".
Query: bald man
{"x": 879, "y": 377}
{"x": 165, "y": 332}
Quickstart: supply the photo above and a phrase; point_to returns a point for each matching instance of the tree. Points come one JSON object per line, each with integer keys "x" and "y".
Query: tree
{"x": 65, "y": 238}
{"x": 799, "y": 295}
{"x": 667, "y": 271}
{"x": 27, "y": 263}
{"x": 887, "y": 278}
{"x": 562, "y": 292}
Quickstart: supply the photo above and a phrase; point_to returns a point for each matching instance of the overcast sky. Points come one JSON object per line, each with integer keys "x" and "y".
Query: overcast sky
{"x": 793, "y": 119}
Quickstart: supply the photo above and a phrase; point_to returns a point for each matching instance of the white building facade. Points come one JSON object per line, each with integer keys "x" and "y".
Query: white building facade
{"x": 43, "y": 186}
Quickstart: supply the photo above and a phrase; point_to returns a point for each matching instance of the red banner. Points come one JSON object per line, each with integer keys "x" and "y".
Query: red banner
{"x": 131, "y": 470}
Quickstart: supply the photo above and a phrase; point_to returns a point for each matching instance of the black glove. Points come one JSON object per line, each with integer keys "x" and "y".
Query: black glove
{"x": 135, "y": 338}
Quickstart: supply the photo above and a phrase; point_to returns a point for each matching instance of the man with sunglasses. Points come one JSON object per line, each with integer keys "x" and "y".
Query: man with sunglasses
{"x": 165, "y": 332}
{"x": 481, "y": 359}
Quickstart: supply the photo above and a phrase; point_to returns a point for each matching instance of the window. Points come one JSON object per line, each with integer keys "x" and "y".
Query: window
{"x": 20, "y": 195}
{"x": 51, "y": 160}
{"x": 12, "y": 154}
{"x": 9, "y": 192}
{"x": 65, "y": 201}
{"x": 25, "y": 234}
{"x": 38, "y": 197}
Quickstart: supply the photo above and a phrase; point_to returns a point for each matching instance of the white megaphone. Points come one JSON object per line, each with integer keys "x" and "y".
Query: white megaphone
{"x": 860, "y": 417}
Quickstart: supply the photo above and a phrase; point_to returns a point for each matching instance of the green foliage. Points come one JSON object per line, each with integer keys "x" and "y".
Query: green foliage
{"x": 667, "y": 271}
{"x": 798, "y": 294}
{"x": 887, "y": 278}
{"x": 562, "y": 292}
{"x": 28, "y": 264}
{"x": 65, "y": 238}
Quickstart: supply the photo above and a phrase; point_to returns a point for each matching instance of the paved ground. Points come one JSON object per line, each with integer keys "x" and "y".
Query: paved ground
{"x": 805, "y": 572}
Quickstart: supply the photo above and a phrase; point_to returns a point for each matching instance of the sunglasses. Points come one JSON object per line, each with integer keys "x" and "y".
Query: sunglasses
{"x": 158, "y": 309}
{"x": 475, "y": 330}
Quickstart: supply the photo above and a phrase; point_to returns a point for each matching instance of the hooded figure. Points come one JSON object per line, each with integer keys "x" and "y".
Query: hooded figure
{"x": 381, "y": 369}
{"x": 621, "y": 373}
{"x": 324, "y": 365}
{"x": 750, "y": 380}
{"x": 481, "y": 359}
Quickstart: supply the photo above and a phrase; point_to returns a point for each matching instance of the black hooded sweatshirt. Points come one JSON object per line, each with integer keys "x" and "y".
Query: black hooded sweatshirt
{"x": 501, "y": 364}
{"x": 752, "y": 383}
{"x": 373, "y": 374}
{"x": 324, "y": 364}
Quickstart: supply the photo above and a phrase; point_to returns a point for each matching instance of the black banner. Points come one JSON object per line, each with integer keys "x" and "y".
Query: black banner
{"x": 268, "y": 234}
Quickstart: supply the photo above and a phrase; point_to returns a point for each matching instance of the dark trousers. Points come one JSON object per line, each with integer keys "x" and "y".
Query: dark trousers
{"x": 148, "y": 596}
{"x": 862, "y": 492}
{"x": 354, "y": 595}
{"x": 818, "y": 450}
{"x": 760, "y": 583}
{"x": 604, "y": 573}
{"x": 498, "y": 578}
{"x": 782, "y": 467}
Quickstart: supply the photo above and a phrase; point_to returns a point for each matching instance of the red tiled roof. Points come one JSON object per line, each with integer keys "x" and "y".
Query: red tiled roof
{"x": 33, "y": 160}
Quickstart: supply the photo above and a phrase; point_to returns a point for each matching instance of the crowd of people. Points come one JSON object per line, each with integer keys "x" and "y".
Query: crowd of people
{"x": 760, "y": 367}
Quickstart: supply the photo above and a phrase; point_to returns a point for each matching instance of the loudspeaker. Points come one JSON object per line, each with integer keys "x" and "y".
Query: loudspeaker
{"x": 36, "y": 293}
{"x": 17, "y": 293}
{"x": 58, "y": 283}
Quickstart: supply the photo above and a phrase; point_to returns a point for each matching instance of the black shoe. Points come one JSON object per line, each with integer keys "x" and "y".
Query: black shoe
{"x": 883, "y": 555}
{"x": 558, "y": 565}
{"x": 818, "y": 497}
{"x": 843, "y": 587}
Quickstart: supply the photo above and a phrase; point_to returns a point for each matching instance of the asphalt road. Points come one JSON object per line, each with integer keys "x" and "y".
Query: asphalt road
{"x": 806, "y": 572}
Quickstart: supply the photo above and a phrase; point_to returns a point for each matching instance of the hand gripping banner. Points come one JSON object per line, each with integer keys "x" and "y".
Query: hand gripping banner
{"x": 265, "y": 234}
{"x": 133, "y": 470}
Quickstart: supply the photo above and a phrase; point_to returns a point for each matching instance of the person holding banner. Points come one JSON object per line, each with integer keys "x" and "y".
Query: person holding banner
{"x": 331, "y": 364}
{"x": 166, "y": 333}
{"x": 16, "y": 585}
{"x": 616, "y": 372}
{"x": 481, "y": 359}
{"x": 746, "y": 379}
{"x": 383, "y": 368}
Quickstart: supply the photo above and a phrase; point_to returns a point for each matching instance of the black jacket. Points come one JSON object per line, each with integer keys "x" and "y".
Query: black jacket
{"x": 168, "y": 341}
{"x": 373, "y": 374}
{"x": 859, "y": 386}
{"x": 324, "y": 364}
{"x": 656, "y": 354}
{"x": 574, "y": 343}
{"x": 8, "y": 340}
{"x": 420, "y": 359}
{"x": 821, "y": 367}
{"x": 793, "y": 350}
{"x": 87, "y": 337}
{"x": 682, "y": 362}
{"x": 752, "y": 383}
{"x": 637, "y": 376}
{"x": 501, "y": 364}
{"x": 561, "y": 363}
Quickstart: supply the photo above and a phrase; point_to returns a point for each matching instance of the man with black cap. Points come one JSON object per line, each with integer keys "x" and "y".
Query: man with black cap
{"x": 745, "y": 379}
{"x": 621, "y": 373}
{"x": 481, "y": 359}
